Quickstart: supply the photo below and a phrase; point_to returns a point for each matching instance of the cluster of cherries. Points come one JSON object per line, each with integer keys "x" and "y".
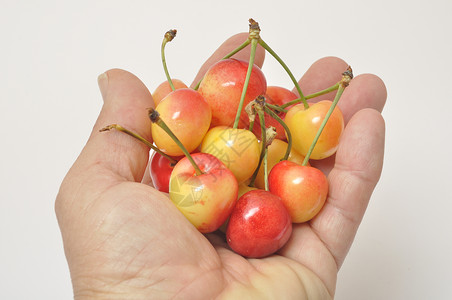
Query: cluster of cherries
{"x": 233, "y": 153}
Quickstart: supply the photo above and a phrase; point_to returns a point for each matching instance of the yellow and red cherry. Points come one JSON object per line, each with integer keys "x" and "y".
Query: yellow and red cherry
{"x": 222, "y": 87}
{"x": 238, "y": 149}
{"x": 259, "y": 224}
{"x": 188, "y": 115}
{"x": 165, "y": 88}
{"x": 160, "y": 170}
{"x": 302, "y": 189}
{"x": 206, "y": 199}
{"x": 276, "y": 152}
{"x": 305, "y": 123}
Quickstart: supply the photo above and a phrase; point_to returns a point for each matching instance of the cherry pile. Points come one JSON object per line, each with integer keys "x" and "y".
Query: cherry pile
{"x": 233, "y": 153}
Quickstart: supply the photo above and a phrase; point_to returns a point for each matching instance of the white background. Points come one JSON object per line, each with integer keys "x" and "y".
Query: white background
{"x": 52, "y": 51}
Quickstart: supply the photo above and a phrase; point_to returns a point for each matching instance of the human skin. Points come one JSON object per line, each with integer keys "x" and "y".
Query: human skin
{"x": 124, "y": 239}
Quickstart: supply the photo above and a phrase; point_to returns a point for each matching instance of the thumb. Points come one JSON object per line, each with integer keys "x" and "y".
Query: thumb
{"x": 126, "y": 100}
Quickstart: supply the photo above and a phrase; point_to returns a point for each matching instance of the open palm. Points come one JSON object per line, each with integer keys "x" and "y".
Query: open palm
{"x": 124, "y": 239}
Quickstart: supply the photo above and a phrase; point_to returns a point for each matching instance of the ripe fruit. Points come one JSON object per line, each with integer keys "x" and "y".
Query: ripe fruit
{"x": 238, "y": 149}
{"x": 276, "y": 152}
{"x": 303, "y": 189}
{"x": 206, "y": 200}
{"x": 164, "y": 89}
{"x": 304, "y": 124}
{"x": 188, "y": 115}
{"x": 211, "y": 187}
{"x": 160, "y": 170}
{"x": 222, "y": 87}
{"x": 259, "y": 224}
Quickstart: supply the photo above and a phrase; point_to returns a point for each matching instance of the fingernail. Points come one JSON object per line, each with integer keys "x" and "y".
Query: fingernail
{"x": 102, "y": 82}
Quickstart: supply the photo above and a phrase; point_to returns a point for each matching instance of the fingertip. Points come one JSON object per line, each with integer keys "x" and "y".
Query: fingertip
{"x": 364, "y": 91}
{"x": 322, "y": 74}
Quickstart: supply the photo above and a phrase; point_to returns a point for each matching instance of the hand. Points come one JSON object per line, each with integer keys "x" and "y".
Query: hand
{"x": 124, "y": 239}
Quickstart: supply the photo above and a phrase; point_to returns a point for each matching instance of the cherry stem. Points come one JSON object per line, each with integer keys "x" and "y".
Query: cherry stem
{"x": 260, "y": 113}
{"x": 345, "y": 81}
{"x": 140, "y": 138}
{"x": 229, "y": 55}
{"x": 169, "y": 36}
{"x": 277, "y": 107}
{"x": 155, "y": 118}
{"x": 319, "y": 93}
{"x": 247, "y": 80}
{"x": 236, "y": 50}
{"x": 283, "y": 124}
{"x": 251, "y": 126}
{"x": 266, "y": 169}
{"x": 281, "y": 62}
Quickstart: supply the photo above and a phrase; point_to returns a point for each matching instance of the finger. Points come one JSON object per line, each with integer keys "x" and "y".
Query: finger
{"x": 364, "y": 91}
{"x": 322, "y": 74}
{"x": 356, "y": 172}
{"x": 126, "y": 100}
{"x": 225, "y": 48}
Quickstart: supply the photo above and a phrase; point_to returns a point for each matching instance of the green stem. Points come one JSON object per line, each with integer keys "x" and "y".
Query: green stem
{"x": 236, "y": 50}
{"x": 247, "y": 80}
{"x": 283, "y": 124}
{"x": 325, "y": 120}
{"x": 155, "y": 118}
{"x": 251, "y": 126}
{"x": 169, "y": 36}
{"x": 230, "y": 54}
{"x": 277, "y": 107}
{"x": 140, "y": 138}
{"x": 319, "y": 93}
{"x": 295, "y": 82}
{"x": 264, "y": 146}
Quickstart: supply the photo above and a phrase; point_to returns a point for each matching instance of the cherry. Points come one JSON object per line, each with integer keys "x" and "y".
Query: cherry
{"x": 188, "y": 115}
{"x": 238, "y": 149}
{"x": 222, "y": 87}
{"x": 305, "y": 123}
{"x": 160, "y": 170}
{"x": 259, "y": 224}
{"x": 302, "y": 189}
{"x": 276, "y": 151}
{"x": 206, "y": 200}
{"x": 164, "y": 89}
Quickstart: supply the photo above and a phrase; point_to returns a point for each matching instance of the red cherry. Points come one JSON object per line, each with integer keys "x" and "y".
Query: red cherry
{"x": 259, "y": 224}
{"x": 222, "y": 88}
{"x": 160, "y": 171}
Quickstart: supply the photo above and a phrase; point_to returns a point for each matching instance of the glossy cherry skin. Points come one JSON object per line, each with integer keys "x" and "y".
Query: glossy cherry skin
{"x": 304, "y": 124}
{"x": 302, "y": 189}
{"x": 278, "y": 96}
{"x": 164, "y": 89}
{"x": 206, "y": 200}
{"x": 222, "y": 88}
{"x": 276, "y": 151}
{"x": 238, "y": 149}
{"x": 188, "y": 115}
{"x": 259, "y": 224}
{"x": 160, "y": 170}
